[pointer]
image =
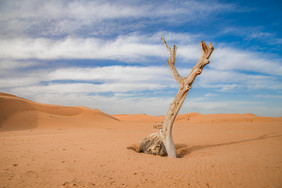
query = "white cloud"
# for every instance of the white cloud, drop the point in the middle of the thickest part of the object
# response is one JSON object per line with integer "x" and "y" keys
{"x": 8, "y": 68}
{"x": 88, "y": 88}
{"x": 222, "y": 73}
{"x": 137, "y": 48}
{"x": 234, "y": 59}
{"x": 121, "y": 80}
{"x": 131, "y": 48}
{"x": 68, "y": 17}
{"x": 7, "y": 82}
{"x": 126, "y": 74}
{"x": 90, "y": 80}
{"x": 131, "y": 78}
{"x": 253, "y": 33}
{"x": 6, "y": 65}
{"x": 269, "y": 96}
{"x": 32, "y": 30}
{"x": 233, "y": 80}
{"x": 78, "y": 48}
{"x": 112, "y": 105}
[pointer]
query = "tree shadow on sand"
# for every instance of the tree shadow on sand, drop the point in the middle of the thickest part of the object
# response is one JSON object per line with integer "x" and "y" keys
{"x": 185, "y": 150}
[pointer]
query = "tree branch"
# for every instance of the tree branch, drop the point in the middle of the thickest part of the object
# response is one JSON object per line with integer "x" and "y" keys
{"x": 168, "y": 48}
{"x": 207, "y": 51}
{"x": 204, "y": 60}
{"x": 171, "y": 63}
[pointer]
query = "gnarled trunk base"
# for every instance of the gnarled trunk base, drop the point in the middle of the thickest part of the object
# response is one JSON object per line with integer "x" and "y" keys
{"x": 152, "y": 144}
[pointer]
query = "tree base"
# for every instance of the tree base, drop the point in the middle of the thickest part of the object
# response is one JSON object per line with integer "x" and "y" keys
{"x": 152, "y": 144}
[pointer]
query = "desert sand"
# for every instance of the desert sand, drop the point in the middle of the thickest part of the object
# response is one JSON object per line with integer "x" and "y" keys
{"x": 45, "y": 145}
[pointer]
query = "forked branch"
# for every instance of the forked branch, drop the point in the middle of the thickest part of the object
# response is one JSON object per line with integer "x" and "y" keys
{"x": 204, "y": 60}
{"x": 171, "y": 63}
{"x": 207, "y": 51}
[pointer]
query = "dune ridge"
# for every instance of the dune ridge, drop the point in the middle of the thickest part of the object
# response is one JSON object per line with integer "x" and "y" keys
{"x": 20, "y": 113}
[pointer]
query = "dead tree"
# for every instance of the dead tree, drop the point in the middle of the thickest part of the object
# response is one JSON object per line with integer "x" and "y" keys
{"x": 162, "y": 143}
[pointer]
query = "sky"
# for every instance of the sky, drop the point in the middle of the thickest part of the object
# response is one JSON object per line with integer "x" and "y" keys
{"x": 108, "y": 55}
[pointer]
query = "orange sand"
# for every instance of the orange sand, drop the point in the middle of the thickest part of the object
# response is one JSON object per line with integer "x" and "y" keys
{"x": 57, "y": 146}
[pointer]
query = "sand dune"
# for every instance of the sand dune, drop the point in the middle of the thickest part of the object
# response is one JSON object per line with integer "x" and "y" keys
{"x": 196, "y": 118}
{"x": 20, "y": 113}
{"x": 45, "y": 145}
{"x": 139, "y": 117}
{"x": 225, "y": 118}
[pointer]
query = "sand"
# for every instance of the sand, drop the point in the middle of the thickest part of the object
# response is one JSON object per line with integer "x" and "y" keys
{"x": 57, "y": 146}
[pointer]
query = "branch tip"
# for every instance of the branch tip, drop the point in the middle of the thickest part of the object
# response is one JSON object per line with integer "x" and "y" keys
{"x": 168, "y": 48}
{"x": 210, "y": 45}
{"x": 204, "y": 46}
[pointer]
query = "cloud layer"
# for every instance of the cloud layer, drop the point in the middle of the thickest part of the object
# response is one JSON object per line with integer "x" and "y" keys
{"x": 55, "y": 18}
{"x": 123, "y": 61}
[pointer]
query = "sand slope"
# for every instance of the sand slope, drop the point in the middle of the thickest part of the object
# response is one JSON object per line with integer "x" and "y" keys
{"x": 79, "y": 147}
{"x": 20, "y": 113}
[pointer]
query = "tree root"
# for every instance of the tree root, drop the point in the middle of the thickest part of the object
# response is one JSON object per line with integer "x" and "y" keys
{"x": 151, "y": 144}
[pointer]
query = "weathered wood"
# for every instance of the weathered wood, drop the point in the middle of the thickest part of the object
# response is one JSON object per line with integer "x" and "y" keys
{"x": 152, "y": 144}
{"x": 171, "y": 62}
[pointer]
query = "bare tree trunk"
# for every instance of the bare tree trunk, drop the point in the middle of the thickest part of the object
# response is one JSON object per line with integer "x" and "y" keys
{"x": 185, "y": 84}
{"x": 166, "y": 133}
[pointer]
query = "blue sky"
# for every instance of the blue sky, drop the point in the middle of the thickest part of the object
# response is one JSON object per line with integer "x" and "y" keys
{"x": 109, "y": 54}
